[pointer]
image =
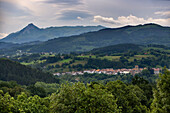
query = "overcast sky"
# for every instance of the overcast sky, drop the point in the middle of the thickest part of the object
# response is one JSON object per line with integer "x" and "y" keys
{"x": 16, "y": 14}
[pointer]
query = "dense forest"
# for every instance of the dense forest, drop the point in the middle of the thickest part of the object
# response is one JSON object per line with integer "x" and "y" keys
{"x": 139, "y": 96}
{"x": 116, "y": 57}
{"x": 119, "y": 48}
{"x": 25, "y": 75}
{"x": 140, "y": 34}
{"x": 27, "y": 84}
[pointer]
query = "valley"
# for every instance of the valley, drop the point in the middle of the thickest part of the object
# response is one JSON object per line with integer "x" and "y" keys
{"x": 99, "y": 62}
{"x": 84, "y": 56}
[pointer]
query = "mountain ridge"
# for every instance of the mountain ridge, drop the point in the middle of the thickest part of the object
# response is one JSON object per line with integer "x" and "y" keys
{"x": 33, "y": 33}
{"x": 140, "y": 34}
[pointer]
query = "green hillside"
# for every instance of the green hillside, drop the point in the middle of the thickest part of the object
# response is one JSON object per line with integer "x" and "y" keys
{"x": 142, "y": 34}
{"x": 119, "y": 48}
{"x": 10, "y": 70}
{"x": 33, "y": 33}
{"x": 5, "y": 45}
{"x": 115, "y": 56}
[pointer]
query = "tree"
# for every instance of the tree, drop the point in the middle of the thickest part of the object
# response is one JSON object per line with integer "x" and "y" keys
{"x": 130, "y": 99}
{"x": 81, "y": 99}
{"x": 161, "y": 102}
{"x": 145, "y": 86}
{"x": 36, "y": 90}
{"x": 23, "y": 104}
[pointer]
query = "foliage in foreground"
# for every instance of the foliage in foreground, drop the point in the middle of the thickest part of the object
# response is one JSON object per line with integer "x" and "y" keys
{"x": 161, "y": 102}
{"x": 113, "y": 97}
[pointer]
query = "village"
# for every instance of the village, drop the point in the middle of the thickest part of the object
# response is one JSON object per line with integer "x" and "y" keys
{"x": 110, "y": 71}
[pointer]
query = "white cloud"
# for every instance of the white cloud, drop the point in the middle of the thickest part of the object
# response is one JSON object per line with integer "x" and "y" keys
{"x": 163, "y": 13}
{"x": 2, "y": 35}
{"x": 80, "y": 18}
{"x": 130, "y": 20}
{"x": 104, "y": 19}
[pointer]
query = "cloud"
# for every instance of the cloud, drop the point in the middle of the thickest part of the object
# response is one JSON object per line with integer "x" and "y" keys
{"x": 130, "y": 20}
{"x": 79, "y": 18}
{"x": 163, "y": 0}
{"x": 3, "y": 35}
{"x": 163, "y": 13}
{"x": 10, "y": 8}
{"x": 73, "y": 15}
{"x": 104, "y": 20}
{"x": 64, "y": 2}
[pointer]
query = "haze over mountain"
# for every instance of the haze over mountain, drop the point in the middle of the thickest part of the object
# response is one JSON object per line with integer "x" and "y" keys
{"x": 33, "y": 33}
{"x": 141, "y": 34}
{"x": 5, "y": 45}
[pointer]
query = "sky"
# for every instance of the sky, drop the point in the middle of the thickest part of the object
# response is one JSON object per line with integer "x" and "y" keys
{"x": 16, "y": 14}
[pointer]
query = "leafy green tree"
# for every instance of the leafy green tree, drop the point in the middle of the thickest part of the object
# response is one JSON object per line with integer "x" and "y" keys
{"x": 146, "y": 87}
{"x": 78, "y": 98}
{"x": 40, "y": 91}
{"x": 32, "y": 104}
{"x": 7, "y": 103}
{"x": 12, "y": 88}
{"x": 130, "y": 99}
{"x": 48, "y": 87}
{"x": 161, "y": 102}
{"x": 23, "y": 104}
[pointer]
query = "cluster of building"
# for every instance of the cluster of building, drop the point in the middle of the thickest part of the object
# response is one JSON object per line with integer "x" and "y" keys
{"x": 110, "y": 71}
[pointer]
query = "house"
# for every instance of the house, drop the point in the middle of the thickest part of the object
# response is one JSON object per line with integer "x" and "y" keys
{"x": 126, "y": 72}
{"x": 136, "y": 70}
{"x": 156, "y": 70}
{"x": 58, "y": 74}
{"x": 80, "y": 73}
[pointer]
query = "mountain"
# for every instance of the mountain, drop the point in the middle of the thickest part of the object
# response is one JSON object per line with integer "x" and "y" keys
{"x": 33, "y": 33}
{"x": 119, "y": 48}
{"x": 10, "y": 70}
{"x": 141, "y": 34}
{"x": 9, "y": 45}
{"x": 6, "y": 45}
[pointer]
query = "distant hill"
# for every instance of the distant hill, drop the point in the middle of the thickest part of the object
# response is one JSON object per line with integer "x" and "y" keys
{"x": 5, "y": 45}
{"x": 10, "y": 70}
{"x": 141, "y": 34}
{"x": 33, "y": 33}
{"x": 119, "y": 48}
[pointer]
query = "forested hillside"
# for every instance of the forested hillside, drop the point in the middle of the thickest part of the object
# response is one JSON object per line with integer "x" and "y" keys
{"x": 119, "y": 48}
{"x": 33, "y": 33}
{"x": 120, "y": 93}
{"x": 146, "y": 34}
{"x": 4, "y": 45}
{"x": 25, "y": 75}
{"x": 139, "y": 96}
{"x": 116, "y": 57}
{"x": 141, "y": 34}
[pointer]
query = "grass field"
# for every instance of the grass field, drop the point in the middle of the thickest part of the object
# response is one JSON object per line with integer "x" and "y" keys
{"x": 33, "y": 62}
{"x": 111, "y": 58}
{"x": 161, "y": 49}
{"x": 79, "y": 62}
{"x": 65, "y": 61}
{"x": 87, "y": 56}
{"x": 29, "y": 63}
{"x": 139, "y": 57}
